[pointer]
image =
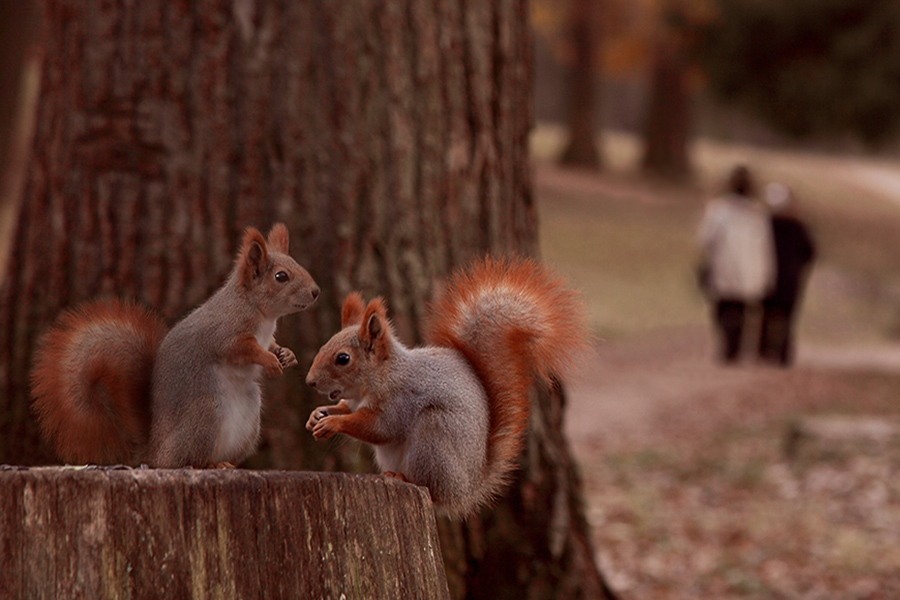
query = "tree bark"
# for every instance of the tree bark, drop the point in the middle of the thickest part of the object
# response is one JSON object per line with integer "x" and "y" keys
{"x": 391, "y": 137}
{"x": 667, "y": 128}
{"x": 581, "y": 149}
{"x": 215, "y": 534}
{"x": 535, "y": 542}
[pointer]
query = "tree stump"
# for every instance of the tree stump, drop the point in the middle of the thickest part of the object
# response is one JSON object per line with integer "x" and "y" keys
{"x": 101, "y": 533}
{"x": 840, "y": 436}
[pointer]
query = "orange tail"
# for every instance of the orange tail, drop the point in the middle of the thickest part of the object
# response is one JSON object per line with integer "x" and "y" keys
{"x": 512, "y": 319}
{"x": 91, "y": 381}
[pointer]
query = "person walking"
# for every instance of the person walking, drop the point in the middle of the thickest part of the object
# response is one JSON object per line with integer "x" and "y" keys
{"x": 735, "y": 236}
{"x": 795, "y": 251}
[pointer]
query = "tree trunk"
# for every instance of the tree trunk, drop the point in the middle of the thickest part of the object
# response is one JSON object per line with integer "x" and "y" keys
{"x": 19, "y": 68}
{"x": 215, "y": 534}
{"x": 581, "y": 150}
{"x": 667, "y": 128}
{"x": 534, "y": 544}
{"x": 391, "y": 137}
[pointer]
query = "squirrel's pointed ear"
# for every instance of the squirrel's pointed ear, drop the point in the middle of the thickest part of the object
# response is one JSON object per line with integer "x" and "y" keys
{"x": 352, "y": 312}
{"x": 254, "y": 257}
{"x": 373, "y": 330}
{"x": 278, "y": 238}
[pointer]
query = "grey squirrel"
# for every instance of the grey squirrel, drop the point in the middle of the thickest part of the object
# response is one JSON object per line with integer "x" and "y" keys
{"x": 110, "y": 385}
{"x": 452, "y": 415}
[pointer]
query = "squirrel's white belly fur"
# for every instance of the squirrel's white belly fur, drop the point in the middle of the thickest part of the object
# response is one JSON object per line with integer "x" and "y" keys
{"x": 265, "y": 335}
{"x": 240, "y": 403}
{"x": 392, "y": 457}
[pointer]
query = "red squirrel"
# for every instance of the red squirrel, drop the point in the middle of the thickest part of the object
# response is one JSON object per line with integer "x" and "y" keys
{"x": 452, "y": 415}
{"x": 110, "y": 385}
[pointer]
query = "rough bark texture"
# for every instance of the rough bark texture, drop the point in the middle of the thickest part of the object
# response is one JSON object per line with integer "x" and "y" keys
{"x": 215, "y": 534}
{"x": 535, "y": 543}
{"x": 391, "y": 136}
{"x": 582, "y": 101}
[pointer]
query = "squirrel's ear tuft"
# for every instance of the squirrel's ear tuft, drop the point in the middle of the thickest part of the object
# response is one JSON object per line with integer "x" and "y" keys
{"x": 352, "y": 312}
{"x": 278, "y": 238}
{"x": 253, "y": 260}
{"x": 374, "y": 328}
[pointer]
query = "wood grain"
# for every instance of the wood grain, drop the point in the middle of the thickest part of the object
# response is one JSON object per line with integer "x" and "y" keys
{"x": 75, "y": 533}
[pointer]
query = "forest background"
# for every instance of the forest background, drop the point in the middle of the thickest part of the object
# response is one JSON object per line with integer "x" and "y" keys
{"x": 688, "y": 490}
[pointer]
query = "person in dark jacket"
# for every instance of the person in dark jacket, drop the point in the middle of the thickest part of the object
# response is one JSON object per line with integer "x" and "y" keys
{"x": 794, "y": 254}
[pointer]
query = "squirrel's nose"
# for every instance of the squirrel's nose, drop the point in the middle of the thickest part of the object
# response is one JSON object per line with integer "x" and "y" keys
{"x": 310, "y": 382}
{"x": 315, "y": 294}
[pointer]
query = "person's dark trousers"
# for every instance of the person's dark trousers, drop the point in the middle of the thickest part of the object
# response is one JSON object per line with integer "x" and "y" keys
{"x": 775, "y": 343}
{"x": 730, "y": 319}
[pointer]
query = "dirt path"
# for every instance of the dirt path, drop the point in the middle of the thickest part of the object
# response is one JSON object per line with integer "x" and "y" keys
{"x": 624, "y": 392}
{"x": 629, "y": 390}
{"x": 881, "y": 179}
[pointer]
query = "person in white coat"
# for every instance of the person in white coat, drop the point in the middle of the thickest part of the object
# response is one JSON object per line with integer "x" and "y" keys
{"x": 735, "y": 235}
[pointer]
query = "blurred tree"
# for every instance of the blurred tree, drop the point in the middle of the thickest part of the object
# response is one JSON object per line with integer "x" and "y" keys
{"x": 581, "y": 149}
{"x": 391, "y": 137}
{"x": 668, "y": 115}
{"x": 809, "y": 67}
{"x": 641, "y": 40}
{"x": 19, "y": 69}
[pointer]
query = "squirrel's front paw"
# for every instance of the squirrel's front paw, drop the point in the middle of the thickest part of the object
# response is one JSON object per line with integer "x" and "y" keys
{"x": 326, "y": 427}
{"x": 272, "y": 365}
{"x": 285, "y": 356}
{"x": 315, "y": 416}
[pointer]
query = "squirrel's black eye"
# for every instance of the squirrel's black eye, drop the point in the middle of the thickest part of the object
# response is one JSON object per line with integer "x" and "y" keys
{"x": 342, "y": 359}
{"x": 281, "y": 276}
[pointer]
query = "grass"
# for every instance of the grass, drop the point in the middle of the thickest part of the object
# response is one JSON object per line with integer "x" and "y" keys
{"x": 628, "y": 243}
{"x": 629, "y": 259}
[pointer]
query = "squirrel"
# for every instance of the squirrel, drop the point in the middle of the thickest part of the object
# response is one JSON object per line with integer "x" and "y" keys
{"x": 451, "y": 415}
{"x": 109, "y": 385}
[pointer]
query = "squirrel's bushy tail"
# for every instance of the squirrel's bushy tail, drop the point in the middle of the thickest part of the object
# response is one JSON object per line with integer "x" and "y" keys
{"x": 512, "y": 319}
{"x": 91, "y": 381}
